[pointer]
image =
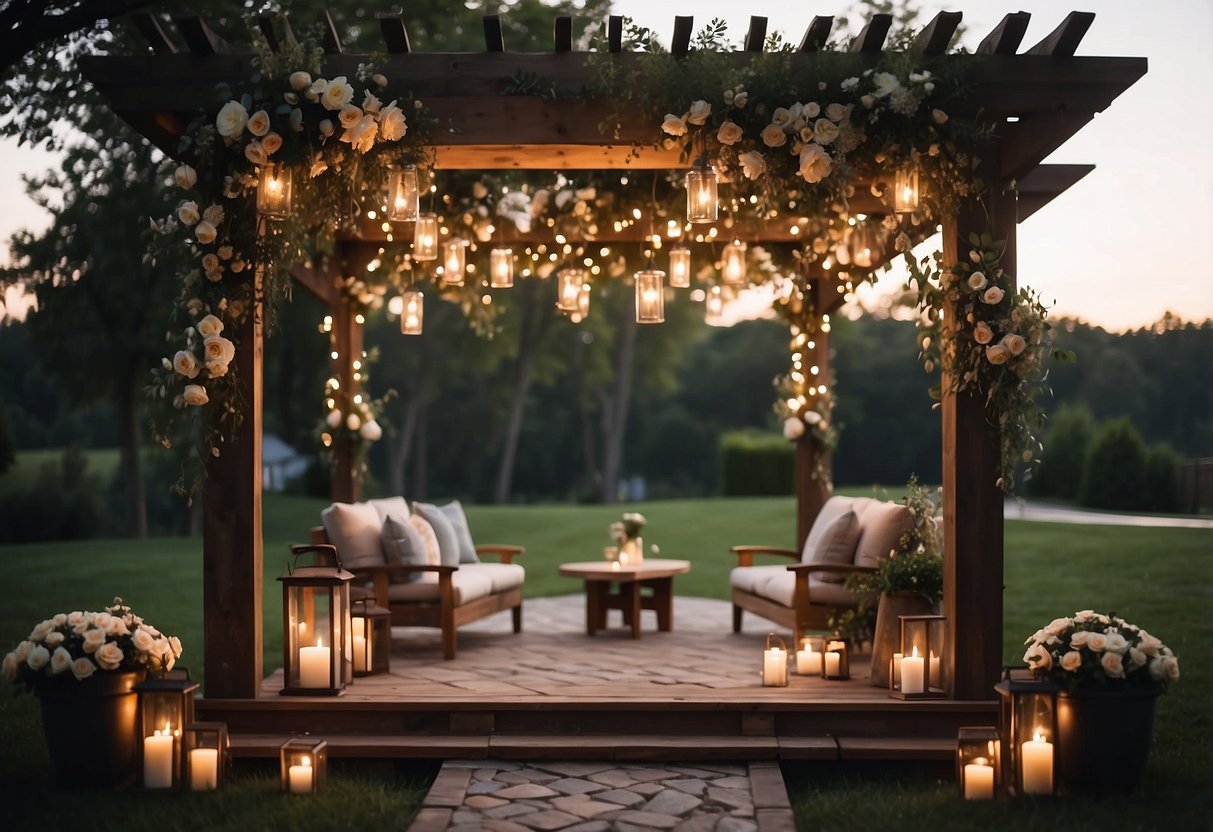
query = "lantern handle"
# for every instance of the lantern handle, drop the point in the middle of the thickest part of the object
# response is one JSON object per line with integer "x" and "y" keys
{"x": 326, "y": 555}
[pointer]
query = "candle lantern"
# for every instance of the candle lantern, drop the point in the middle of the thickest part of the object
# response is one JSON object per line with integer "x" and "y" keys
{"x": 1027, "y": 725}
{"x": 425, "y": 238}
{"x": 978, "y": 762}
{"x": 501, "y": 268}
{"x": 865, "y": 244}
{"x": 454, "y": 261}
{"x": 836, "y": 661}
{"x": 303, "y": 762}
{"x": 921, "y": 662}
{"x": 205, "y": 750}
{"x": 650, "y": 296}
{"x": 713, "y": 306}
{"x": 568, "y": 289}
{"x": 402, "y": 194}
{"x": 166, "y": 706}
{"x": 317, "y": 642}
{"x": 732, "y": 264}
{"x": 274, "y": 191}
{"x": 905, "y": 190}
{"x": 680, "y": 267}
{"x": 583, "y": 301}
{"x": 775, "y": 663}
{"x": 809, "y": 656}
{"x": 371, "y": 629}
{"x": 702, "y": 204}
{"x": 412, "y": 312}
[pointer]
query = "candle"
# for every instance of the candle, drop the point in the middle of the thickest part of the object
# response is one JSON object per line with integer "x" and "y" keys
{"x": 832, "y": 660}
{"x": 808, "y": 662}
{"x": 300, "y": 777}
{"x": 911, "y": 672}
{"x": 897, "y": 657}
{"x": 359, "y": 650}
{"x": 158, "y": 759}
{"x": 775, "y": 666}
{"x": 979, "y": 780}
{"x": 314, "y": 666}
{"x": 1036, "y": 766}
{"x": 204, "y": 769}
{"x": 358, "y": 626}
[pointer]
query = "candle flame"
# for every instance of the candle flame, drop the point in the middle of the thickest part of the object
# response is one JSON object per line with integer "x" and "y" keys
{"x": 306, "y": 761}
{"x": 980, "y": 761}
{"x": 915, "y": 653}
{"x": 1038, "y": 737}
{"x": 319, "y": 642}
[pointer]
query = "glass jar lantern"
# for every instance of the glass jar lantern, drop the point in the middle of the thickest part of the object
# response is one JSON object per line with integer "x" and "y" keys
{"x": 425, "y": 237}
{"x": 412, "y": 312}
{"x": 775, "y": 663}
{"x": 568, "y": 289}
{"x": 713, "y": 306}
{"x": 650, "y": 296}
{"x": 865, "y": 244}
{"x": 317, "y": 643}
{"x": 836, "y": 661}
{"x": 303, "y": 763}
{"x": 1027, "y": 726}
{"x": 732, "y": 264}
{"x": 702, "y": 202}
{"x": 501, "y": 268}
{"x": 166, "y": 706}
{"x": 978, "y": 770}
{"x": 371, "y": 629}
{"x": 454, "y": 261}
{"x": 905, "y": 189}
{"x": 205, "y": 750}
{"x": 402, "y": 194}
{"x": 922, "y": 659}
{"x": 274, "y": 191}
{"x": 680, "y": 267}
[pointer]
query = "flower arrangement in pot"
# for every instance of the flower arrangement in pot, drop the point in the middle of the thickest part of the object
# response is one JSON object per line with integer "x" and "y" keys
{"x": 626, "y": 533}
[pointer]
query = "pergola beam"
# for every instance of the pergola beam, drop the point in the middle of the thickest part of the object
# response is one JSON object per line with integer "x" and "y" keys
{"x": 937, "y": 35}
{"x": 817, "y": 35}
{"x": 871, "y": 36}
{"x": 1044, "y": 183}
{"x": 1006, "y": 36}
{"x": 149, "y": 27}
{"x": 395, "y": 35}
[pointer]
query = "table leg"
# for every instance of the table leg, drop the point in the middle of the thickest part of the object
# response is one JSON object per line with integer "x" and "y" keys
{"x": 634, "y": 608}
{"x": 663, "y": 602}
{"x": 593, "y": 607}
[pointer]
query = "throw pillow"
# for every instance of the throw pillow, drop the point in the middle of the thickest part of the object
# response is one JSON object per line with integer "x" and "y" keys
{"x": 355, "y": 529}
{"x": 836, "y": 544}
{"x": 404, "y": 545}
{"x": 448, "y": 543}
{"x": 453, "y": 511}
{"x": 387, "y": 507}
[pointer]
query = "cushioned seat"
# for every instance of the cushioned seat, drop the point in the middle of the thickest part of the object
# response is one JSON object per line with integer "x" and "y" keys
{"x": 471, "y": 581}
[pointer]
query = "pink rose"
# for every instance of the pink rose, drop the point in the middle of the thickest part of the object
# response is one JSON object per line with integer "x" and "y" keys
{"x": 1071, "y": 661}
{"x": 1112, "y": 665}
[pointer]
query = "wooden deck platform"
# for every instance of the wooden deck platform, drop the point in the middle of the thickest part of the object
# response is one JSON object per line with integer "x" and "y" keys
{"x": 552, "y": 691}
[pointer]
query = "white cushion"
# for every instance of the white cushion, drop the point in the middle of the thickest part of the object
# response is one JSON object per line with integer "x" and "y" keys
{"x": 468, "y": 586}
{"x": 448, "y": 541}
{"x": 883, "y": 524}
{"x": 356, "y": 530}
{"x": 830, "y": 510}
{"x": 835, "y": 544}
{"x": 453, "y": 511}
{"x": 776, "y": 583}
{"x": 387, "y": 507}
{"x": 503, "y": 576}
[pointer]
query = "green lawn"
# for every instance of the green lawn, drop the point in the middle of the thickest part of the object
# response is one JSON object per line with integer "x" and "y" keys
{"x": 1160, "y": 579}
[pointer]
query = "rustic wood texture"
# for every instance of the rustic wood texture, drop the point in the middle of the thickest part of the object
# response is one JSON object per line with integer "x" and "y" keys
{"x": 936, "y": 35}
{"x": 817, "y": 35}
{"x": 871, "y": 36}
{"x": 628, "y": 589}
{"x": 395, "y": 35}
{"x": 1044, "y": 184}
{"x": 199, "y": 37}
{"x": 811, "y": 493}
{"x": 756, "y": 35}
{"x": 1063, "y": 41}
{"x": 563, "y": 34}
{"x": 347, "y": 343}
{"x": 680, "y": 43}
{"x": 276, "y": 29}
{"x": 1006, "y": 36}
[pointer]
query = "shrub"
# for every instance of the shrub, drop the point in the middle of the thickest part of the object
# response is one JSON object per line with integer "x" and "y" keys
{"x": 1065, "y": 450}
{"x": 756, "y": 464}
{"x": 61, "y": 502}
{"x": 1114, "y": 474}
{"x": 1162, "y": 479}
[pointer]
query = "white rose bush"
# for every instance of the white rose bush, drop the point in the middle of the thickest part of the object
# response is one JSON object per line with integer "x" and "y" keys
{"x": 78, "y": 645}
{"x": 1100, "y": 651}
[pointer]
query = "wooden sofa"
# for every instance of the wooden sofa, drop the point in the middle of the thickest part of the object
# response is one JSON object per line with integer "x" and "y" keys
{"x": 849, "y": 535}
{"x": 461, "y": 594}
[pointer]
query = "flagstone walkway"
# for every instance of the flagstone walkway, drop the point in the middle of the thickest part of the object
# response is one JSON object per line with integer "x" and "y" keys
{"x": 499, "y": 796}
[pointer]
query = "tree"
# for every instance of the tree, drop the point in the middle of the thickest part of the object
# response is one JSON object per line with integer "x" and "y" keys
{"x": 1065, "y": 453}
{"x": 1114, "y": 476}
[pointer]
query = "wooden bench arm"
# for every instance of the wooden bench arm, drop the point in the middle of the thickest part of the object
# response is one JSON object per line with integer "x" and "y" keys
{"x": 837, "y": 568}
{"x": 506, "y": 552}
{"x": 745, "y": 554}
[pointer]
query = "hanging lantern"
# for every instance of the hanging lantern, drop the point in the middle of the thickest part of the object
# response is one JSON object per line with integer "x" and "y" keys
{"x": 454, "y": 261}
{"x": 166, "y": 706}
{"x": 1027, "y": 725}
{"x": 501, "y": 268}
{"x": 836, "y": 661}
{"x": 702, "y": 204}
{"x": 205, "y": 750}
{"x": 316, "y": 625}
{"x": 371, "y": 628}
{"x": 274, "y": 191}
{"x": 302, "y": 763}
{"x": 402, "y": 194}
{"x": 921, "y": 670}
{"x": 732, "y": 264}
{"x": 865, "y": 244}
{"x": 650, "y": 296}
{"x": 775, "y": 663}
{"x": 977, "y": 762}
{"x": 568, "y": 289}
{"x": 713, "y": 306}
{"x": 905, "y": 190}
{"x": 412, "y": 312}
{"x": 583, "y": 302}
{"x": 680, "y": 267}
{"x": 425, "y": 238}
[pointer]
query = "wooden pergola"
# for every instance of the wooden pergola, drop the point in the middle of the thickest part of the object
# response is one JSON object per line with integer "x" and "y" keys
{"x": 1035, "y": 99}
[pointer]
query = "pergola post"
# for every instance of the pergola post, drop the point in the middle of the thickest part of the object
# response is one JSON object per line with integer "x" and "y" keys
{"x": 972, "y": 498}
{"x": 347, "y": 345}
{"x": 232, "y": 548}
{"x": 811, "y": 490}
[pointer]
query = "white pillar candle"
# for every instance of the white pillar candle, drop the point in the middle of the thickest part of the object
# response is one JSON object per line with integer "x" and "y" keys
{"x": 204, "y": 769}
{"x": 158, "y": 759}
{"x": 1036, "y": 766}
{"x": 897, "y": 657}
{"x": 911, "y": 673}
{"x": 359, "y": 651}
{"x": 979, "y": 781}
{"x": 775, "y": 666}
{"x": 808, "y": 662}
{"x": 832, "y": 662}
{"x": 300, "y": 777}
{"x": 358, "y": 626}
{"x": 314, "y": 666}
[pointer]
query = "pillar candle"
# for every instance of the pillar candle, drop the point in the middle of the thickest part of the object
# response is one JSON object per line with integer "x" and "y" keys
{"x": 358, "y": 626}
{"x": 300, "y": 777}
{"x": 359, "y": 651}
{"x": 1036, "y": 766}
{"x": 775, "y": 666}
{"x": 832, "y": 660}
{"x": 911, "y": 673}
{"x": 158, "y": 759}
{"x": 314, "y": 666}
{"x": 808, "y": 662}
{"x": 204, "y": 769}
{"x": 979, "y": 781}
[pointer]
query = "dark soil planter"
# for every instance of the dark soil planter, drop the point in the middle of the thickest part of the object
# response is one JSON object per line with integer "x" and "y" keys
{"x": 90, "y": 728}
{"x": 1104, "y": 740}
{"x": 887, "y": 639}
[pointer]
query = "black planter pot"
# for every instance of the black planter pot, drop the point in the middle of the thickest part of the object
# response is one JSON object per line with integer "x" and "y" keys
{"x": 1104, "y": 740}
{"x": 89, "y": 727}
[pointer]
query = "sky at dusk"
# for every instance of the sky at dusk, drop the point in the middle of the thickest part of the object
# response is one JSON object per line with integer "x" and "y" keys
{"x": 1129, "y": 242}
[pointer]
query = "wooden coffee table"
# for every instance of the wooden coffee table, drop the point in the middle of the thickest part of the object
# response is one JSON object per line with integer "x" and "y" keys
{"x": 612, "y": 587}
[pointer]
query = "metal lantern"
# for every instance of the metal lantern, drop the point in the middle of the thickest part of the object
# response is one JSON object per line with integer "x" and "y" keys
{"x": 274, "y": 191}
{"x": 650, "y": 296}
{"x": 680, "y": 267}
{"x": 865, "y": 244}
{"x": 303, "y": 763}
{"x": 316, "y": 625}
{"x": 836, "y": 661}
{"x": 713, "y": 306}
{"x": 978, "y": 769}
{"x": 204, "y": 750}
{"x": 702, "y": 204}
{"x": 166, "y": 706}
{"x": 905, "y": 190}
{"x": 454, "y": 261}
{"x": 775, "y": 663}
{"x": 732, "y": 264}
{"x": 425, "y": 238}
{"x": 809, "y": 656}
{"x": 501, "y": 268}
{"x": 371, "y": 629}
{"x": 583, "y": 301}
{"x": 1027, "y": 726}
{"x": 568, "y": 289}
{"x": 412, "y": 312}
{"x": 922, "y": 659}
{"x": 402, "y": 194}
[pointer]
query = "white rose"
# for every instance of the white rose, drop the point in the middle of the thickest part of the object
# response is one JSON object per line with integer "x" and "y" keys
{"x": 254, "y": 151}
{"x": 700, "y": 110}
{"x": 349, "y": 115}
{"x": 38, "y": 657}
{"x": 939, "y": 116}
{"x": 1150, "y": 645}
{"x": 205, "y": 233}
{"x": 781, "y": 116}
{"x": 259, "y": 123}
{"x": 997, "y": 354}
{"x": 93, "y": 639}
{"x": 982, "y": 333}
{"x": 218, "y": 348}
{"x": 992, "y": 295}
{"x": 326, "y": 129}
{"x": 370, "y": 103}
{"x": 753, "y": 165}
{"x": 353, "y": 422}
{"x": 674, "y": 125}
{"x": 380, "y": 79}
{"x": 1136, "y": 657}
{"x": 824, "y": 131}
{"x": 208, "y": 326}
{"x": 142, "y": 640}
{"x": 54, "y": 639}
{"x": 231, "y": 119}
{"x": 337, "y": 93}
{"x": 21, "y": 651}
{"x": 815, "y": 163}
{"x": 42, "y": 630}
{"x": 836, "y": 112}
{"x": 333, "y": 419}
{"x": 1096, "y": 642}
{"x": 1079, "y": 639}
{"x": 272, "y": 143}
{"x": 1038, "y": 658}
{"x": 187, "y": 212}
{"x": 729, "y": 133}
{"x": 174, "y": 645}
{"x": 83, "y": 667}
{"x": 773, "y": 136}
{"x": 1071, "y": 661}
{"x": 109, "y": 656}
{"x": 195, "y": 395}
{"x": 977, "y": 281}
{"x": 9, "y": 667}
{"x": 362, "y": 134}
{"x": 216, "y": 369}
{"x": 185, "y": 177}
{"x": 75, "y": 619}
{"x": 371, "y": 431}
{"x": 300, "y": 81}
{"x": 793, "y": 428}
{"x": 1113, "y": 665}
{"x": 61, "y": 660}
{"x": 1014, "y": 343}
{"x": 391, "y": 123}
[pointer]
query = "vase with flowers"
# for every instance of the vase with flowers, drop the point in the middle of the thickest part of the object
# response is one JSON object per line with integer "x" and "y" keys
{"x": 83, "y": 667}
{"x": 1110, "y": 673}
{"x": 626, "y": 533}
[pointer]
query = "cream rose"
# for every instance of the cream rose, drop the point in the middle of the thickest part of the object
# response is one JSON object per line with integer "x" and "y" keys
{"x": 753, "y": 165}
{"x": 1014, "y": 343}
{"x": 1079, "y": 639}
{"x": 205, "y": 233}
{"x": 982, "y": 333}
{"x": 210, "y": 262}
{"x": 337, "y": 93}
{"x": 185, "y": 177}
{"x": 187, "y": 212}
{"x": 700, "y": 110}
{"x": 38, "y": 657}
{"x": 185, "y": 364}
{"x": 1096, "y": 642}
{"x": 54, "y": 639}
{"x": 992, "y": 295}
{"x": 793, "y": 428}
{"x": 218, "y": 348}
{"x": 213, "y": 214}
{"x": 216, "y": 369}
{"x": 349, "y": 115}
{"x": 781, "y": 116}
{"x": 391, "y": 123}
{"x": 1136, "y": 657}
{"x": 939, "y": 116}
{"x": 109, "y": 656}
{"x": 42, "y": 630}
{"x": 977, "y": 281}
{"x": 231, "y": 119}
{"x": 21, "y": 651}
{"x": 272, "y": 143}
{"x": 9, "y": 667}
{"x": 83, "y": 667}
{"x": 300, "y": 81}
{"x": 1070, "y": 661}
{"x": 259, "y": 123}
{"x": 93, "y": 639}
{"x": 1038, "y": 658}
{"x": 997, "y": 354}
{"x": 61, "y": 660}
{"x": 142, "y": 640}
{"x": 815, "y": 163}
{"x": 370, "y": 103}
{"x": 254, "y": 151}
{"x": 729, "y": 133}
{"x": 773, "y": 136}
{"x": 824, "y": 131}
{"x": 195, "y": 395}
{"x": 1150, "y": 645}
{"x": 371, "y": 431}
{"x": 326, "y": 130}
{"x": 674, "y": 125}
{"x": 836, "y": 112}
{"x": 1113, "y": 665}
{"x": 208, "y": 326}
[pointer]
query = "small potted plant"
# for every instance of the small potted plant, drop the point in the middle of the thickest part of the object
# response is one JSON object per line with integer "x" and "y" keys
{"x": 626, "y": 533}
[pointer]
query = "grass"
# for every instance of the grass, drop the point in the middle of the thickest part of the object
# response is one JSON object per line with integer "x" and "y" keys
{"x": 1159, "y": 578}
